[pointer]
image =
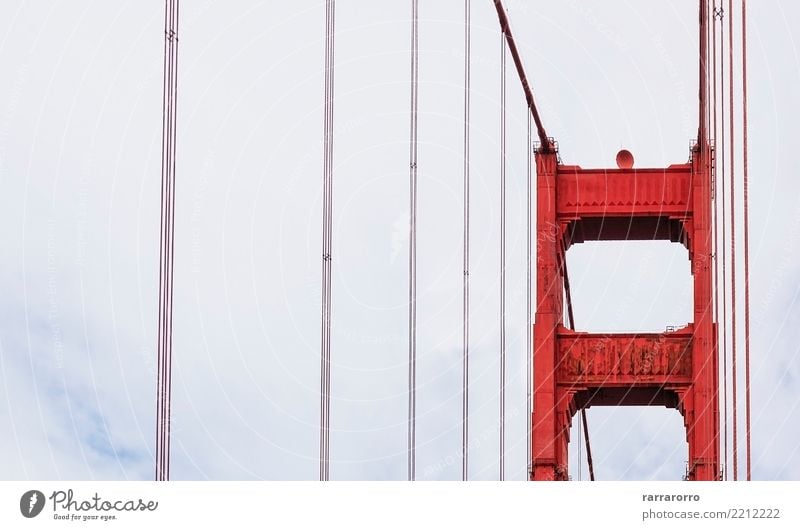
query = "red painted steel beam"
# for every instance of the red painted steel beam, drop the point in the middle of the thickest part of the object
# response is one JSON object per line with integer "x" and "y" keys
{"x": 638, "y": 396}
{"x": 549, "y": 437}
{"x": 624, "y": 192}
{"x": 625, "y": 204}
{"x": 702, "y": 416}
{"x": 624, "y": 359}
{"x": 627, "y": 229}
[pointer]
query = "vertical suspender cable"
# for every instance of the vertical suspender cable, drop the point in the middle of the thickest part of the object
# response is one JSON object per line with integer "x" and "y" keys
{"x": 746, "y": 243}
{"x": 720, "y": 13}
{"x": 465, "y": 301}
{"x": 715, "y": 181}
{"x": 172, "y": 223}
{"x": 327, "y": 246}
{"x": 167, "y": 243}
{"x": 707, "y": 38}
{"x": 705, "y": 158}
{"x": 412, "y": 254}
{"x": 579, "y": 452}
{"x": 324, "y": 277}
{"x": 702, "y": 135}
{"x": 502, "y": 256}
{"x": 733, "y": 243}
{"x": 330, "y": 236}
{"x": 528, "y": 302}
{"x": 715, "y": 193}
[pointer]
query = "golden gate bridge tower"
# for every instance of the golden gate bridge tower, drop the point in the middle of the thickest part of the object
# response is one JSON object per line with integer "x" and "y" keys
{"x": 574, "y": 370}
{"x": 678, "y": 368}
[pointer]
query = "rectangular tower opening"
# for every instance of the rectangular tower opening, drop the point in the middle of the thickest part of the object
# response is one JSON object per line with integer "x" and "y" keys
{"x": 630, "y": 286}
{"x": 629, "y": 443}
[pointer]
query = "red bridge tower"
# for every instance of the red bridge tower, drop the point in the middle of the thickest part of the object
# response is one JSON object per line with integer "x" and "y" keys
{"x": 572, "y": 369}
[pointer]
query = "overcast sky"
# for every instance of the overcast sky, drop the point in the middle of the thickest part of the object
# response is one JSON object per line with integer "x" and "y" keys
{"x": 80, "y": 140}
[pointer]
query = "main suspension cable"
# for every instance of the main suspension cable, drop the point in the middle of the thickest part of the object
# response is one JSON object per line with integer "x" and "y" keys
{"x": 588, "y": 447}
{"x": 465, "y": 301}
{"x": 327, "y": 245}
{"x": 167, "y": 240}
{"x": 412, "y": 254}
{"x": 505, "y": 28}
